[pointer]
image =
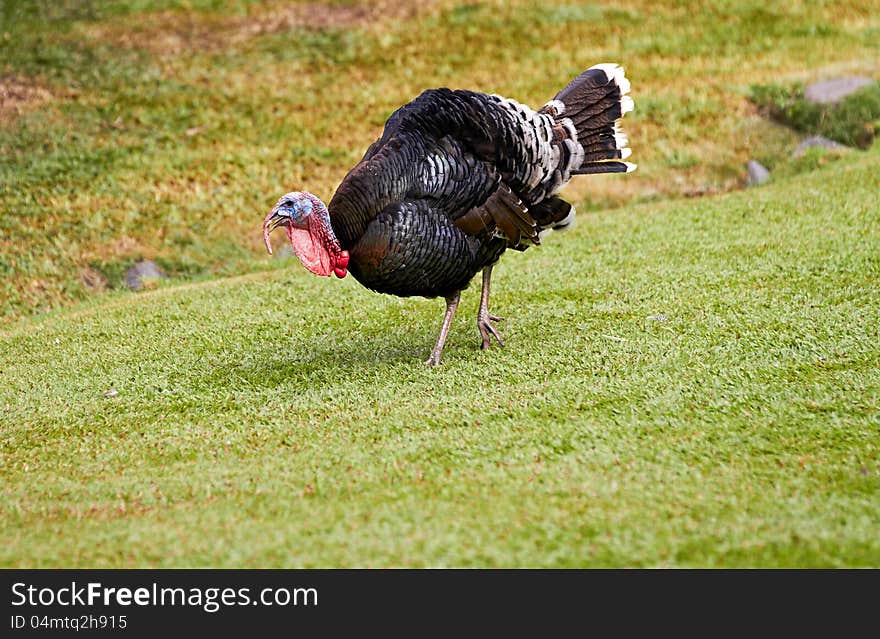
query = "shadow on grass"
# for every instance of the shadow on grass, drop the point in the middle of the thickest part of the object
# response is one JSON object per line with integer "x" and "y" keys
{"x": 322, "y": 363}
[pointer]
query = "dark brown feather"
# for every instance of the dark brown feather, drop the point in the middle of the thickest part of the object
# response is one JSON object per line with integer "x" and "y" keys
{"x": 502, "y": 210}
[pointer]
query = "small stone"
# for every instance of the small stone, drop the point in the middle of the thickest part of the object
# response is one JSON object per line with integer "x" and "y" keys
{"x": 141, "y": 272}
{"x": 758, "y": 173}
{"x": 817, "y": 140}
{"x": 658, "y": 318}
{"x": 110, "y": 393}
{"x": 835, "y": 90}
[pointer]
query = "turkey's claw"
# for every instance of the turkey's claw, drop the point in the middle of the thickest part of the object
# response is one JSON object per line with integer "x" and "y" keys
{"x": 484, "y": 323}
{"x": 484, "y": 317}
{"x": 433, "y": 361}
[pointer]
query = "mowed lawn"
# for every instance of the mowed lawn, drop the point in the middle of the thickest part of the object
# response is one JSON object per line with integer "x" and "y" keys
{"x": 688, "y": 383}
{"x": 691, "y": 373}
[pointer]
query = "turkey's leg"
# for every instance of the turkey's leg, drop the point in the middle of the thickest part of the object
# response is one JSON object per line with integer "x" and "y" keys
{"x": 451, "y": 305}
{"x": 484, "y": 318}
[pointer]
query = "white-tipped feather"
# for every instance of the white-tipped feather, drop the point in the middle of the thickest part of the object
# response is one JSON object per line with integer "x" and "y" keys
{"x": 615, "y": 72}
{"x": 562, "y": 225}
{"x": 620, "y": 138}
{"x": 630, "y": 167}
{"x": 621, "y": 81}
{"x": 577, "y": 154}
{"x": 626, "y": 104}
{"x": 608, "y": 67}
{"x": 625, "y": 153}
{"x": 558, "y": 106}
{"x": 565, "y": 222}
{"x": 554, "y": 156}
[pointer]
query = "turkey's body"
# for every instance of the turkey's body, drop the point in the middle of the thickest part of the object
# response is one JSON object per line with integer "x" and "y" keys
{"x": 410, "y": 211}
{"x": 457, "y": 178}
{"x": 396, "y": 210}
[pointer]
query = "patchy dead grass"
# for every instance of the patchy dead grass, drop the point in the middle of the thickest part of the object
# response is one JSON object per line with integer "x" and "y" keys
{"x": 93, "y": 280}
{"x": 177, "y": 32}
{"x": 189, "y": 123}
{"x": 18, "y": 94}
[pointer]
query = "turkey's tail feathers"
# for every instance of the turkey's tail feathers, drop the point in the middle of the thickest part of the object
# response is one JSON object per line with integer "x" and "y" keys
{"x": 589, "y": 107}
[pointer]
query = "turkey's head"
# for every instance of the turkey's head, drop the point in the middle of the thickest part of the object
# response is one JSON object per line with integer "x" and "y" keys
{"x": 308, "y": 228}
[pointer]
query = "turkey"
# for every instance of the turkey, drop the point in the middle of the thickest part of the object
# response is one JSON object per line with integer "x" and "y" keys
{"x": 456, "y": 179}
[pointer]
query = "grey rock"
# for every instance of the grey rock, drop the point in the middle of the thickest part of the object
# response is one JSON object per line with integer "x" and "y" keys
{"x": 833, "y": 91}
{"x": 758, "y": 173}
{"x": 140, "y": 271}
{"x": 817, "y": 140}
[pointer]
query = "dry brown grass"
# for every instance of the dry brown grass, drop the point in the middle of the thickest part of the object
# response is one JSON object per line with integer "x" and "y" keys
{"x": 259, "y": 89}
{"x": 178, "y": 32}
{"x": 18, "y": 94}
{"x": 93, "y": 280}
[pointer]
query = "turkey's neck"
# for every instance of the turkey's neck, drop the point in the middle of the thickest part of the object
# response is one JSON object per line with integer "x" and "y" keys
{"x": 322, "y": 229}
{"x": 323, "y": 232}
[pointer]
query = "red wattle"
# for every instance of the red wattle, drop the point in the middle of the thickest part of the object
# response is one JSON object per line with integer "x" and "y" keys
{"x": 309, "y": 248}
{"x": 340, "y": 272}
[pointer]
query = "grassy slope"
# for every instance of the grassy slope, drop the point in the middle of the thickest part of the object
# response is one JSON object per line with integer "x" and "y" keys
{"x": 168, "y": 136}
{"x": 279, "y": 419}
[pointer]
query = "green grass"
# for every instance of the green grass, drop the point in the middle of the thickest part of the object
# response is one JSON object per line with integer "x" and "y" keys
{"x": 280, "y": 419}
{"x": 854, "y": 121}
{"x": 687, "y": 382}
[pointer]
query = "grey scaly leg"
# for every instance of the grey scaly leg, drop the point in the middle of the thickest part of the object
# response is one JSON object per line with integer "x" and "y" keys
{"x": 451, "y": 305}
{"x": 484, "y": 318}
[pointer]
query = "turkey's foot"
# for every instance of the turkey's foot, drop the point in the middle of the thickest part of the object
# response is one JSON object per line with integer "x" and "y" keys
{"x": 484, "y": 317}
{"x": 487, "y": 330}
{"x": 433, "y": 360}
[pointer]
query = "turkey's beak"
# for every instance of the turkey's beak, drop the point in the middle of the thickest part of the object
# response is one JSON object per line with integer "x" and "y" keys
{"x": 272, "y": 222}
